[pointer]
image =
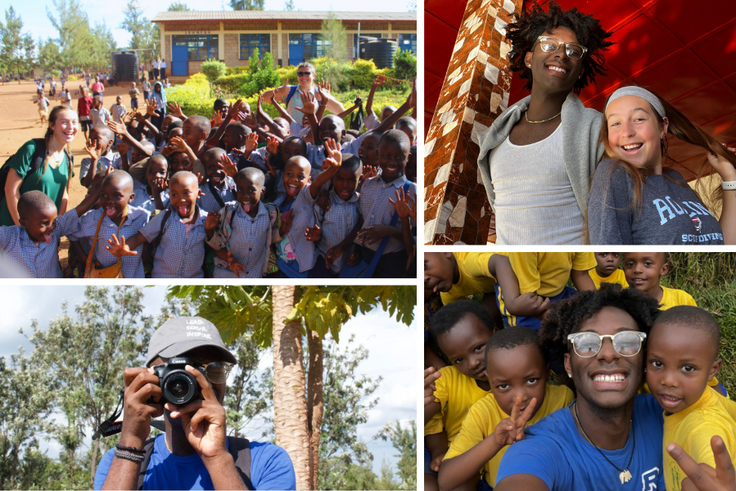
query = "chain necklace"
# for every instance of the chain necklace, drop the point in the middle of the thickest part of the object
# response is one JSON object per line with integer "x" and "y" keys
{"x": 541, "y": 120}
{"x": 624, "y": 475}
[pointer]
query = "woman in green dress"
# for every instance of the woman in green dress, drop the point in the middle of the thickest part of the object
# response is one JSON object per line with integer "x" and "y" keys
{"x": 50, "y": 174}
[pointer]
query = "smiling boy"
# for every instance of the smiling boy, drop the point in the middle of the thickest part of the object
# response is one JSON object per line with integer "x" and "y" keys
{"x": 537, "y": 158}
{"x": 644, "y": 270}
{"x": 682, "y": 359}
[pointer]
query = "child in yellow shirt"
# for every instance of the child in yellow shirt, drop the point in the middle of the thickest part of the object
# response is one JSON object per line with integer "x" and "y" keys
{"x": 644, "y": 271}
{"x": 545, "y": 276}
{"x": 682, "y": 357}
{"x": 608, "y": 270}
{"x": 461, "y": 330}
{"x": 517, "y": 372}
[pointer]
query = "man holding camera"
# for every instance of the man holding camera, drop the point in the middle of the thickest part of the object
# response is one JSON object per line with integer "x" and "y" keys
{"x": 188, "y": 386}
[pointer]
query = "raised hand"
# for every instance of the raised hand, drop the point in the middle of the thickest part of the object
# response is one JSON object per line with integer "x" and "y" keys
{"x": 93, "y": 149}
{"x": 724, "y": 168}
{"x": 404, "y": 204}
{"x": 511, "y": 429}
{"x": 702, "y": 477}
{"x": 369, "y": 171}
{"x": 177, "y": 144}
{"x": 175, "y": 109}
{"x": 313, "y": 234}
{"x": 378, "y": 81}
{"x": 150, "y": 108}
{"x": 117, "y": 128}
{"x": 333, "y": 151}
{"x": 230, "y": 168}
{"x": 118, "y": 248}
{"x": 273, "y": 145}
{"x": 251, "y": 142}
{"x": 218, "y": 118}
{"x": 309, "y": 106}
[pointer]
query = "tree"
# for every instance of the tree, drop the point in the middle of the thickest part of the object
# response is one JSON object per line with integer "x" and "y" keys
{"x": 334, "y": 38}
{"x": 109, "y": 330}
{"x": 49, "y": 54}
{"x": 16, "y": 52}
{"x": 178, "y": 7}
{"x": 290, "y": 5}
{"x": 76, "y": 40}
{"x": 309, "y": 311}
{"x": 246, "y": 4}
{"x": 140, "y": 28}
{"x": 403, "y": 439}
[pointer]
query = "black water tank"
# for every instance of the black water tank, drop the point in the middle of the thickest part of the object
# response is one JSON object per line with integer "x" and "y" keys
{"x": 125, "y": 64}
{"x": 381, "y": 51}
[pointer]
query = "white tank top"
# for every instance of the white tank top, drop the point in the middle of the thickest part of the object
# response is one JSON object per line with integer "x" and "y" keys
{"x": 535, "y": 203}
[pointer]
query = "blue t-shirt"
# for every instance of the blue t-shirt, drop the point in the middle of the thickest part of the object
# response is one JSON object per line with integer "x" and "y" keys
{"x": 270, "y": 468}
{"x": 554, "y": 451}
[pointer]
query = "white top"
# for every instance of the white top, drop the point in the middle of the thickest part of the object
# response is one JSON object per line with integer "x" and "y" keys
{"x": 535, "y": 203}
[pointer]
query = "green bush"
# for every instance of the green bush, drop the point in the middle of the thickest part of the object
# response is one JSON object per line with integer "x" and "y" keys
{"x": 72, "y": 78}
{"x": 231, "y": 83}
{"x": 287, "y": 75}
{"x": 405, "y": 65}
{"x": 213, "y": 69}
{"x": 262, "y": 75}
{"x": 56, "y": 73}
{"x": 362, "y": 74}
{"x": 235, "y": 70}
{"x": 194, "y": 96}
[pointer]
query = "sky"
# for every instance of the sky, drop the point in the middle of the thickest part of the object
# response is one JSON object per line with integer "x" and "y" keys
{"x": 390, "y": 346}
{"x": 36, "y": 22}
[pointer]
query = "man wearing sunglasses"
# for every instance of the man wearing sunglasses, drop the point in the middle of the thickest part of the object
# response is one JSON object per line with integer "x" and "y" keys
{"x": 194, "y": 452}
{"x": 610, "y": 437}
{"x": 537, "y": 158}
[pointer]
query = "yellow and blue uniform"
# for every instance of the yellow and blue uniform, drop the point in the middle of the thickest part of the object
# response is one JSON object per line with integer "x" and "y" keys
{"x": 474, "y": 276}
{"x": 485, "y": 415}
{"x": 692, "y": 429}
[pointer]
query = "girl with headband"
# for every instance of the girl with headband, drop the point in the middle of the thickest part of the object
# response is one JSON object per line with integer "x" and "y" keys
{"x": 634, "y": 199}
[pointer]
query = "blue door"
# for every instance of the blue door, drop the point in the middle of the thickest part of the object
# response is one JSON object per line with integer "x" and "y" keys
{"x": 179, "y": 63}
{"x": 296, "y": 54}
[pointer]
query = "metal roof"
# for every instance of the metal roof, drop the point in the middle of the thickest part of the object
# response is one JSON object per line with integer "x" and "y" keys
{"x": 281, "y": 15}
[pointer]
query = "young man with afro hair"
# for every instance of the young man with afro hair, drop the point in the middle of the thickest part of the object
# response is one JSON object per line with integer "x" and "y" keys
{"x": 538, "y": 156}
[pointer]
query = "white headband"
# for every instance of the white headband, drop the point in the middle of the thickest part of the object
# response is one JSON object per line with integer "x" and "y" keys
{"x": 638, "y": 92}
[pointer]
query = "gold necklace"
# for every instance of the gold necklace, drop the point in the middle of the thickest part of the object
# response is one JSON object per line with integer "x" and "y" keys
{"x": 624, "y": 475}
{"x": 540, "y": 121}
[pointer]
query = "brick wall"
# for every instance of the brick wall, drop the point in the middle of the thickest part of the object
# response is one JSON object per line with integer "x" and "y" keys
{"x": 231, "y": 50}
{"x": 167, "y": 55}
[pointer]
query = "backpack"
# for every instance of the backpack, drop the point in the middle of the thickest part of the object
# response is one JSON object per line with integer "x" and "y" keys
{"x": 239, "y": 448}
{"x": 37, "y": 159}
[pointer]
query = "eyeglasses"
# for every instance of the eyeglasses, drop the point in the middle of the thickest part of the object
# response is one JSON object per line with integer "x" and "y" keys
{"x": 217, "y": 372}
{"x": 303, "y": 74}
{"x": 574, "y": 51}
{"x": 588, "y": 344}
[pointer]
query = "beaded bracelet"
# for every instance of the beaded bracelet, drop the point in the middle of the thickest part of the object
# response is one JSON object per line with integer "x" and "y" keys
{"x": 129, "y": 449}
{"x": 728, "y": 185}
{"x": 129, "y": 456}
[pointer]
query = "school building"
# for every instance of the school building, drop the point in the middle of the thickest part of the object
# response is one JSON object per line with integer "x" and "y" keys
{"x": 189, "y": 38}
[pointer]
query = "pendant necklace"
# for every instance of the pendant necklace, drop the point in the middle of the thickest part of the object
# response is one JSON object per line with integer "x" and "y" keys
{"x": 624, "y": 475}
{"x": 541, "y": 120}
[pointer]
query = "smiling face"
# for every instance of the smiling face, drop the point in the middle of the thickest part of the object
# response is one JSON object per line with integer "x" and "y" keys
{"x": 345, "y": 182}
{"x": 392, "y": 158}
{"x": 305, "y": 75}
{"x": 331, "y": 127}
{"x": 465, "y": 346}
{"x": 519, "y": 371}
{"x": 192, "y": 134}
{"x": 184, "y": 191}
{"x": 40, "y": 224}
{"x": 115, "y": 196}
{"x": 643, "y": 271}
{"x": 606, "y": 380}
{"x": 215, "y": 173}
{"x": 296, "y": 175}
{"x": 607, "y": 263}
{"x": 180, "y": 161}
{"x": 680, "y": 363}
{"x": 65, "y": 126}
{"x": 440, "y": 271}
{"x": 249, "y": 194}
{"x": 368, "y": 151}
{"x": 635, "y": 133}
{"x": 554, "y": 72}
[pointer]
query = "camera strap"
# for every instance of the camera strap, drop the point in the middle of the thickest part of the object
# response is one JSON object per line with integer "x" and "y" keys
{"x": 111, "y": 427}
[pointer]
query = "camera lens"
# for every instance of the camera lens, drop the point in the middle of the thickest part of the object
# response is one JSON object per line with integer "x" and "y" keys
{"x": 179, "y": 387}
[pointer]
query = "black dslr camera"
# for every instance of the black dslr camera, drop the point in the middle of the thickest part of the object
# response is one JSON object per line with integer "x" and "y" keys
{"x": 177, "y": 385}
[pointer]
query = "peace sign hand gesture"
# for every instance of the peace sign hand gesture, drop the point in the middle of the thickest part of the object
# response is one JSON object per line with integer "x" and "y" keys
{"x": 511, "y": 430}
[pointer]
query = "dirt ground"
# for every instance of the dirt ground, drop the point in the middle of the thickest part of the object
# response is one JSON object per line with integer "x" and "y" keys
{"x": 19, "y": 122}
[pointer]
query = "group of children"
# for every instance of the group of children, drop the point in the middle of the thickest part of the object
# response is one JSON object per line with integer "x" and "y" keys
{"x": 487, "y": 370}
{"x": 184, "y": 198}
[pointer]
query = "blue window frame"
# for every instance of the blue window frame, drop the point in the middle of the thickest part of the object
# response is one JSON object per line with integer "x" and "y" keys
{"x": 249, "y": 42}
{"x": 198, "y": 47}
{"x": 363, "y": 36}
{"x": 314, "y": 46}
{"x": 408, "y": 41}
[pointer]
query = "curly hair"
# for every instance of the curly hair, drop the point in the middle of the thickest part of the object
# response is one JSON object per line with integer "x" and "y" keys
{"x": 532, "y": 23}
{"x": 567, "y": 316}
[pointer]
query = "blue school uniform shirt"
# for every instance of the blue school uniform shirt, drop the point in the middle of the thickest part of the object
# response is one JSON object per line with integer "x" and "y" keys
{"x": 180, "y": 253}
{"x": 110, "y": 159}
{"x": 37, "y": 260}
{"x": 137, "y": 218}
{"x": 302, "y": 209}
{"x": 376, "y": 208}
{"x": 336, "y": 224}
{"x": 144, "y": 200}
{"x": 248, "y": 240}
{"x": 316, "y": 153}
{"x": 554, "y": 451}
{"x": 209, "y": 203}
{"x": 270, "y": 468}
